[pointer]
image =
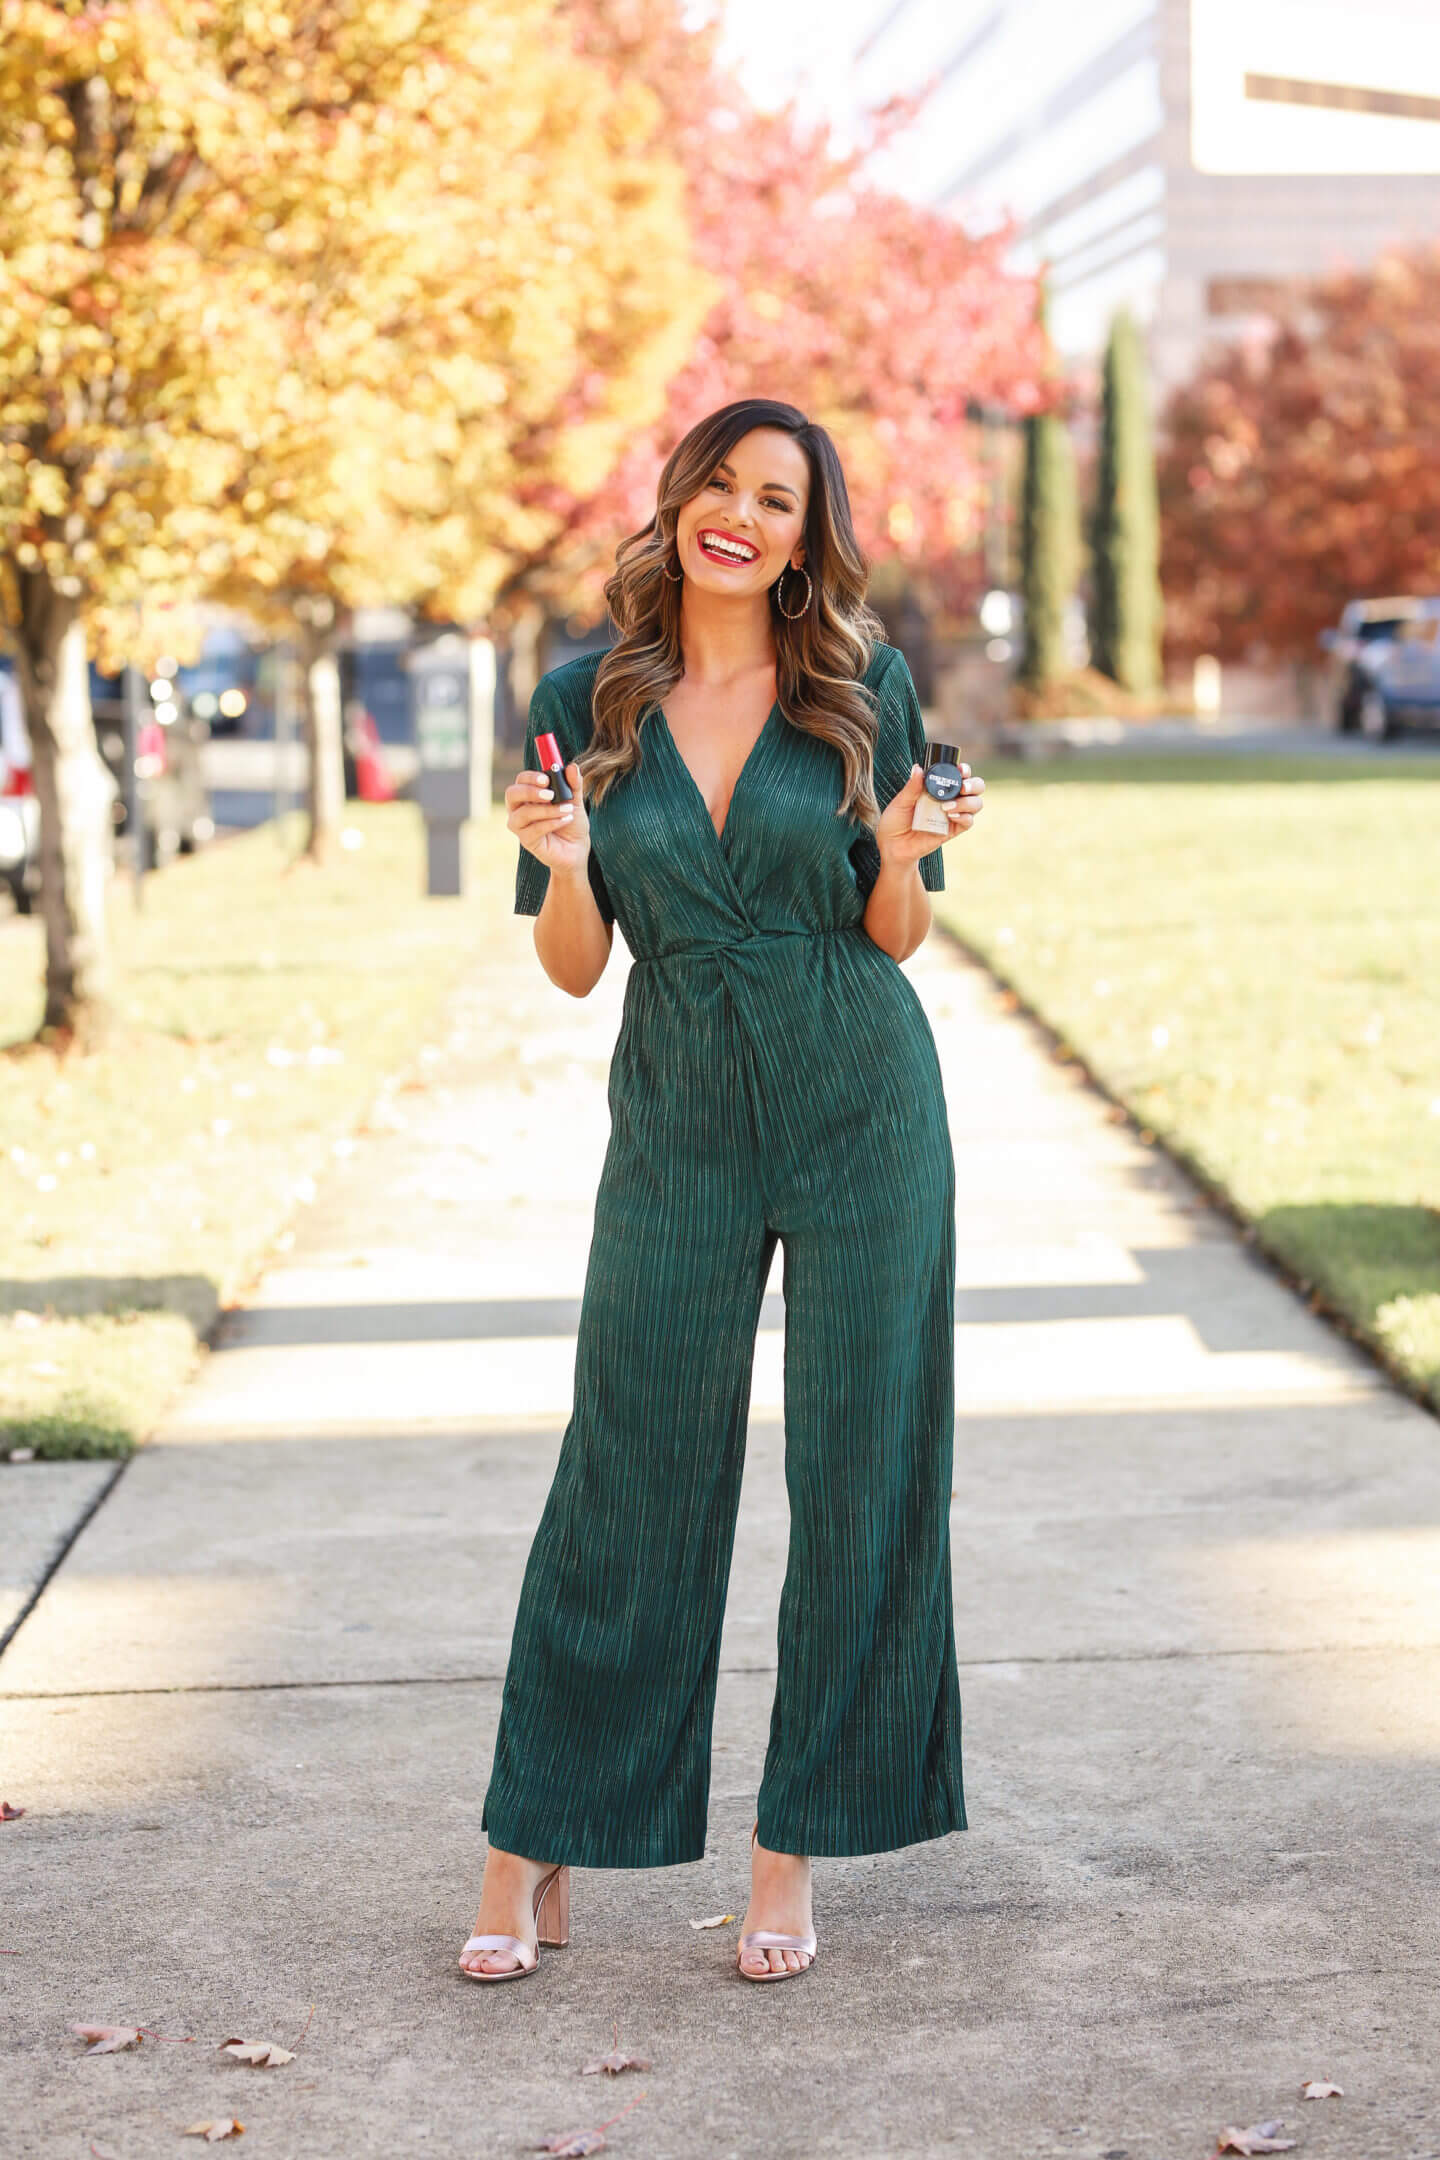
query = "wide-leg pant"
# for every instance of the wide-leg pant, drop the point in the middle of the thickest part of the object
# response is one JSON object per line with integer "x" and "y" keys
{"x": 603, "y": 1752}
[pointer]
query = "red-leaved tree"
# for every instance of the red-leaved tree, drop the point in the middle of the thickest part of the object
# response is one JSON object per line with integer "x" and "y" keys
{"x": 882, "y": 320}
{"x": 1300, "y": 469}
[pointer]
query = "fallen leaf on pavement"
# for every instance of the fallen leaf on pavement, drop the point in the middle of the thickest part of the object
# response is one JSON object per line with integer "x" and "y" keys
{"x": 1259, "y": 2138}
{"x": 212, "y": 2132}
{"x": 615, "y": 2061}
{"x": 8, "y": 1813}
{"x": 261, "y": 2054}
{"x": 719, "y": 1919}
{"x": 1321, "y": 2089}
{"x": 108, "y": 2039}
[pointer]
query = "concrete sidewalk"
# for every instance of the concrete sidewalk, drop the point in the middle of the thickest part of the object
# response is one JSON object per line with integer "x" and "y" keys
{"x": 1196, "y": 1553}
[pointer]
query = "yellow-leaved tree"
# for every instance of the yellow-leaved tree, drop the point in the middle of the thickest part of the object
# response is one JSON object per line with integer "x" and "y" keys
{"x": 280, "y": 291}
{"x": 489, "y": 245}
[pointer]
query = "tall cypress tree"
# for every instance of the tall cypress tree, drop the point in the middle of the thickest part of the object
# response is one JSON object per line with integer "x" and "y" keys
{"x": 1126, "y": 618}
{"x": 1049, "y": 546}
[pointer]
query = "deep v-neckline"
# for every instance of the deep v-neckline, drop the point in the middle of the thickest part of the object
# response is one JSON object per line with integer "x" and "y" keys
{"x": 697, "y": 791}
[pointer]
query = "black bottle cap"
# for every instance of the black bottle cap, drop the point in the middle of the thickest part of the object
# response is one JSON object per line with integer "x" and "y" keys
{"x": 941, "y": 753}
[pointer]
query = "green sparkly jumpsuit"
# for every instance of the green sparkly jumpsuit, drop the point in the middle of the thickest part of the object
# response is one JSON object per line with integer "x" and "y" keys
{"x": 775, "y": 1077}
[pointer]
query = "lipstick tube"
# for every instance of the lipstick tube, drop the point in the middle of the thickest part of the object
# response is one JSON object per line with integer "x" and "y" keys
{"x": 552, "y": 764}
{"x": 944, "y": 784}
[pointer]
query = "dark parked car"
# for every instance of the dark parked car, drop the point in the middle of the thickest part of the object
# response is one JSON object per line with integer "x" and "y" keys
{"x": 1366, "y": 632}
{"x": 227, "y": 687}
{"x": 1403, "y": 690}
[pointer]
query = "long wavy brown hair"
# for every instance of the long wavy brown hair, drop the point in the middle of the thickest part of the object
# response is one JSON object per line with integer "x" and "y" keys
{"x": 819, "y": 657}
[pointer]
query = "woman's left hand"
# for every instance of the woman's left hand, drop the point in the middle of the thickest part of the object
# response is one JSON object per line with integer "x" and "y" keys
{"x": 901, "y": 847}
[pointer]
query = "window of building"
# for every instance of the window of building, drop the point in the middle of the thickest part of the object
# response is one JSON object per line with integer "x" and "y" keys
{"x": 1245, "y": 296}
{"x": 1341, "y": 97}
{"x": 1315, "y": 86}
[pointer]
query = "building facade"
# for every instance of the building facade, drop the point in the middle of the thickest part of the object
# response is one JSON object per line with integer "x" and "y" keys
{"x": 1183, "y": 158}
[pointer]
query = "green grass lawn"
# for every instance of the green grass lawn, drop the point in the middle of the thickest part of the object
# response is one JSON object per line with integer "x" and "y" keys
{"x": 1247, "y": 954}
{"x": 260, "y": 1007}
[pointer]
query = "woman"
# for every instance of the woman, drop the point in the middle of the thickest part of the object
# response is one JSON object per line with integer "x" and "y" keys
{"x": 742, "y": 766}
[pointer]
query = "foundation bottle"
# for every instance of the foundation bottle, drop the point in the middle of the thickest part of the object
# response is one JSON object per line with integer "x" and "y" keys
{"x": 944, "y": 784}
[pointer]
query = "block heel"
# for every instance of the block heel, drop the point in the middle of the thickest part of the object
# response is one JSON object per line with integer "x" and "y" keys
{"x": 552, "y": 1929}
{"x": 552, "y": 1914}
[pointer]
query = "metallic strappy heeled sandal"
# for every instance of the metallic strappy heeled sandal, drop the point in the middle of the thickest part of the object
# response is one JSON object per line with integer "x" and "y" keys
{"x": 767, "y": 1939}
{"x": 552, "y": 1931}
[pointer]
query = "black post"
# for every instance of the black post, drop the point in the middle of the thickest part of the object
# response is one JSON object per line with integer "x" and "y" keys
{"x": 284, "y": 734}
{"x": 136, "y": 691}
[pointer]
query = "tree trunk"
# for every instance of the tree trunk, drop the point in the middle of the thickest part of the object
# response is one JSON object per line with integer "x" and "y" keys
{"x": 75, "y": 793}
{"x": 325, "y": 744}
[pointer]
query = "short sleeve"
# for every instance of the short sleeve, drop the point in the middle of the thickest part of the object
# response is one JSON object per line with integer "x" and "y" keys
{"x": 899, "y": 744}
{"x": 549, "y": 714}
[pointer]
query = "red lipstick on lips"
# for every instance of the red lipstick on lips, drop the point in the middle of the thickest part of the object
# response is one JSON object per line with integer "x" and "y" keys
{"x": 552, "y": 764}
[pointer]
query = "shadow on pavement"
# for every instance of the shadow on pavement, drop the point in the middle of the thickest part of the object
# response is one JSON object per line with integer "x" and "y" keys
{"x": 76, "y": 1297}
{"x": 1174, "y": 1280}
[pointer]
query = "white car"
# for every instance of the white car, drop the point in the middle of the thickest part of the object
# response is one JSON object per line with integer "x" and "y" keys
{"x": 19, "y": 811}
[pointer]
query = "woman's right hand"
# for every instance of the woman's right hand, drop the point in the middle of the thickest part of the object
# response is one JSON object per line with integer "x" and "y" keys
{"x": 556, "y": 834}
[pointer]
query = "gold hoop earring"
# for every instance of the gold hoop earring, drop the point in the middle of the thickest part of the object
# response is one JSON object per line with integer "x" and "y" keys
{"x": 804, "y": 608}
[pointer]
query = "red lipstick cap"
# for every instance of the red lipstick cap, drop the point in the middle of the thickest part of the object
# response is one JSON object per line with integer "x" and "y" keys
{"x": 548, "y": 752}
